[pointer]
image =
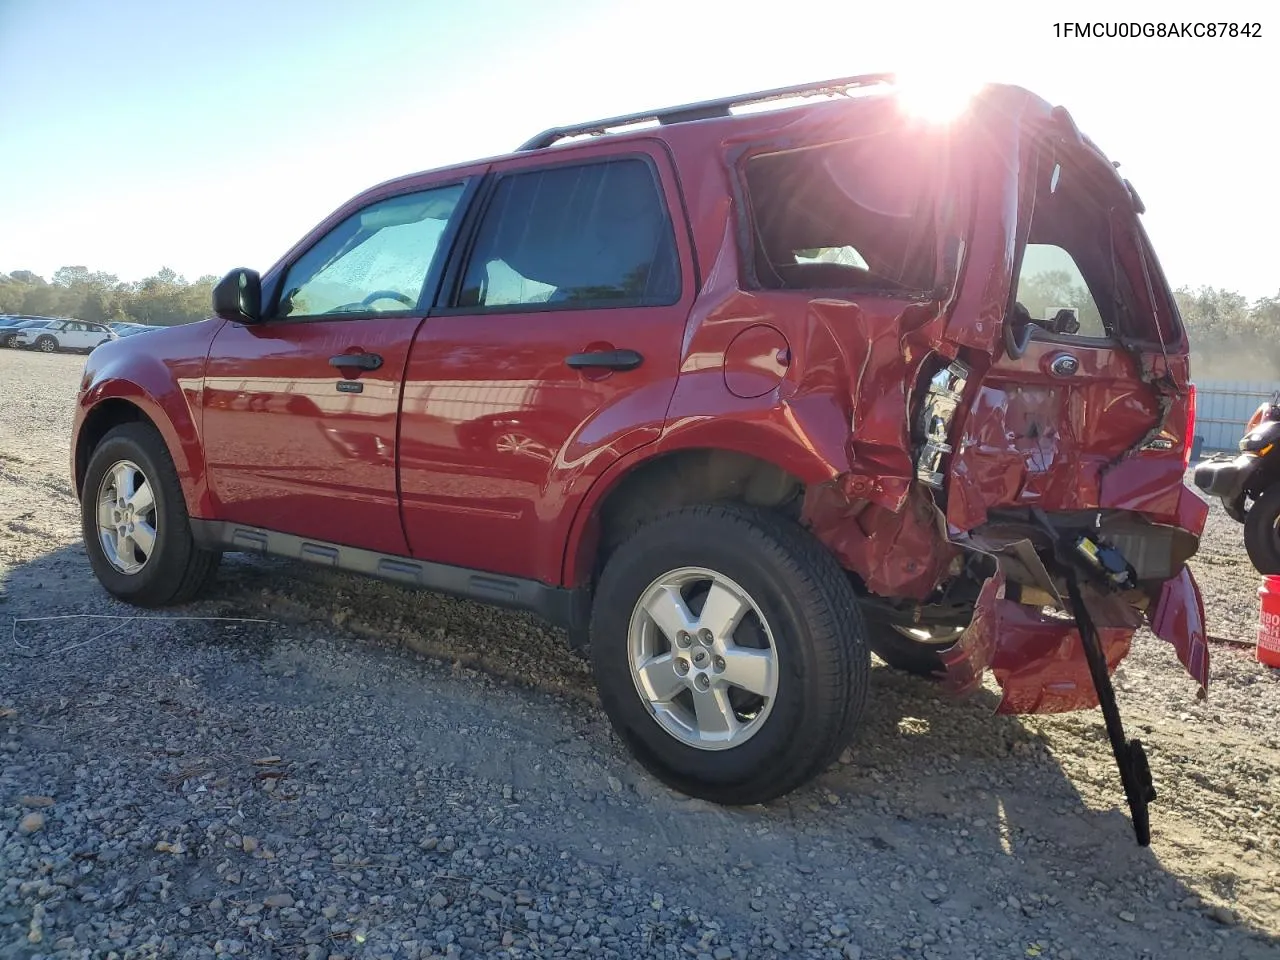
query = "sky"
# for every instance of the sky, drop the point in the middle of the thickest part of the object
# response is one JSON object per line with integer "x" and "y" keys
{"x": 202, "y": 136}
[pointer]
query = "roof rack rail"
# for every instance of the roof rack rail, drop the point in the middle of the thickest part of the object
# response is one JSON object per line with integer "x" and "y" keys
{"x": 706, "y": 109}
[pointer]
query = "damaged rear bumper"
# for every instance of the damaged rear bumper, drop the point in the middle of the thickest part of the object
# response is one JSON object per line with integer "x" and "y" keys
{"x": 1038, "y": 658}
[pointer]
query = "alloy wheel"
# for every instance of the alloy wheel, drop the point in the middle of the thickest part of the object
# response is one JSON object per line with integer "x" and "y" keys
{"x": 940, "y": 637}
{"x": 126, "y": 517}
{"x": 703, "y": 658}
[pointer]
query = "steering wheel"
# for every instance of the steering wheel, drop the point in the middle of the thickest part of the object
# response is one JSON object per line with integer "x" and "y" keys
{"x": 387, "y": 295}
{"x": 356, "y": 306}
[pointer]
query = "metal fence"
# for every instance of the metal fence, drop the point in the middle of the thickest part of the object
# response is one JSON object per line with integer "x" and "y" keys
{"x": 1224, "y": 406}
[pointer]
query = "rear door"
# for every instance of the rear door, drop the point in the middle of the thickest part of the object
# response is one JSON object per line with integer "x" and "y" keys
{"x": 555, "y": 351}
{"x": 300, "y": 411}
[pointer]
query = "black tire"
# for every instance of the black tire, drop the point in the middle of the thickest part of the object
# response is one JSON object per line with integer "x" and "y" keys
{"x": 177, "y": 570}
{"x": 47, "y": 344}
{"x": 1261, "y": 535}
{"x": 813, "y": 613}
{"x": 918, "y": 657}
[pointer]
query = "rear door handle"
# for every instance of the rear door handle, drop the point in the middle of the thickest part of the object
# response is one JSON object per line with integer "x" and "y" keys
{"x": 607, "y": 359}
{"x": 361, "y": 361}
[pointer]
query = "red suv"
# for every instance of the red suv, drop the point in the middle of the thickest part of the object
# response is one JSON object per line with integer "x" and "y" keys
{"x": 733, "y": 396}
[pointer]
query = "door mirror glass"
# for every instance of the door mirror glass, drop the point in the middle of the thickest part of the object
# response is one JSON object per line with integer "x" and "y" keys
{"x": 238, "y": 296}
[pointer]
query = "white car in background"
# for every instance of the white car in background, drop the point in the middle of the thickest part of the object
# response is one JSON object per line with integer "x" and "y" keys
{"x": 76, "y": 335}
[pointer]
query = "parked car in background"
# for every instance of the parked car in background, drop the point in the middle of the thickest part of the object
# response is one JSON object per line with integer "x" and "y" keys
{"x": 734, "y": 399}
{"x": 10, "y": 327}
{"x": 70, "y": 335}
{"x": 131, "y": 329}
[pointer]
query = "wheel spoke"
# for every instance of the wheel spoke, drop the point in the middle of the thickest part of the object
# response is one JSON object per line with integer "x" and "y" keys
{"x": 752, "y": 670}
{"x": 123, "y": 478}
{"x": 142, "y": 499}
{"x": 660, "y": 680}
{"x": 144, "y": 535}
{"x": 106, "y": 514}
{"x": 722, "y": 612}
{"x": 667, "y": 609}
{"x": 715, "y": 715}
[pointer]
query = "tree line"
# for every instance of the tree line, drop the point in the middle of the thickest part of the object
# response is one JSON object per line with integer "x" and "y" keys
{"x": 164, "y": 299}
{"x": 1231, "y": 336}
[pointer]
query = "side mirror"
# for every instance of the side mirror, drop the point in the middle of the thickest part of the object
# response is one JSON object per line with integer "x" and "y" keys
{"x": 238, "y": 296}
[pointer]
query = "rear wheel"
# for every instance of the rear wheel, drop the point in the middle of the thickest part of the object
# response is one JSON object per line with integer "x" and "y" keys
{"x": 1262, "y": 531}
{"x": 135, "y": 524}
{"x": 729, "y": 651}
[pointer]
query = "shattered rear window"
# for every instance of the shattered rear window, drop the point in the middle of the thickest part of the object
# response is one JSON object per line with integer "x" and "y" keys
{"x": 855, "y": 214}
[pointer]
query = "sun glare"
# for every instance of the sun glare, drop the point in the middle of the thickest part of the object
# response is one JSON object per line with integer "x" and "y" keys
{"x": 935, "y": 97}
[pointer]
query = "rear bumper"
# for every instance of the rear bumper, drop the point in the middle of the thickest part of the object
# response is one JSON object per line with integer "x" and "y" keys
{"x": 1038, "y": 658}
{"x": 1228, "y": 480}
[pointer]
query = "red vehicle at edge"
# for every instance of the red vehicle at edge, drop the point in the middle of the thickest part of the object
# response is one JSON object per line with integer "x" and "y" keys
{"x": 733, "y": 399}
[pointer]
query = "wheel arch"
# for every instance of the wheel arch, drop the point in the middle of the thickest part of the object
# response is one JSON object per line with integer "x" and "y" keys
{"x": 656, "y": 480}
{"x": 112, "y": 403}
{"x": 98, "y": 421}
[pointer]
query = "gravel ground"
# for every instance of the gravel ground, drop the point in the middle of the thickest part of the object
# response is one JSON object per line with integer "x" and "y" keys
{"x": 379, "y": 773}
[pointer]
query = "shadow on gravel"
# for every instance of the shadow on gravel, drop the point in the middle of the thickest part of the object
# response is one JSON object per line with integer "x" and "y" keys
{"x": 941, "y": 808}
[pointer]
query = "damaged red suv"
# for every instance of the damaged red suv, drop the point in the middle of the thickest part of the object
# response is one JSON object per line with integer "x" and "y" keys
{"x": 734, "y": 396}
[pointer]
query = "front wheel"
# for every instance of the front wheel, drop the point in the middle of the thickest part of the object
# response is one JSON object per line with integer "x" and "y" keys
{"x": 1262, "y": 531}
{"x": 729, "y": 651}
{"x": 136, "y": 529}
{"x": 47, "y": 345}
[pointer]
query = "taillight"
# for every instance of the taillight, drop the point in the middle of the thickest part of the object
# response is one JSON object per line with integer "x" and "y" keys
{"x": 1258, "y": 416}
{"x": 1189, "y": 438}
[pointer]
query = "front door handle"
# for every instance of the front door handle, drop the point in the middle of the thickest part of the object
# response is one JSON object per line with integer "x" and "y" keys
{"x": 606, "y": 359}
{"x": 360, "y": 361}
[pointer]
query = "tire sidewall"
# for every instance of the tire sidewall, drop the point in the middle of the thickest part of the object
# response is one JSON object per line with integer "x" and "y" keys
{"x": 1261, "y": 540}
{"x": 625, "y": 581}
{"x": 172, "y": 546}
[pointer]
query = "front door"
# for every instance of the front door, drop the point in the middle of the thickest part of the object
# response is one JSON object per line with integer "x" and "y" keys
{"x": 555, "y": 351}
{"x": 300, "y": 410}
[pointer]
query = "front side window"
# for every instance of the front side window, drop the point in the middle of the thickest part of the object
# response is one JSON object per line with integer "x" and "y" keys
{"x": 596, "y": 234}
{"x": 856, "y": 214}
{"x": 375, "y": 261}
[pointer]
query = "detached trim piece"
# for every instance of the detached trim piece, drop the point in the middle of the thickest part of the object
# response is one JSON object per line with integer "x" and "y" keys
{"x": 564, "y": 608}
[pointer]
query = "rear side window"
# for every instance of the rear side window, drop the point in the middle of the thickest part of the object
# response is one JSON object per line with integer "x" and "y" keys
{"x": 856, "y": 214}
{"x": 591, "y": 235}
